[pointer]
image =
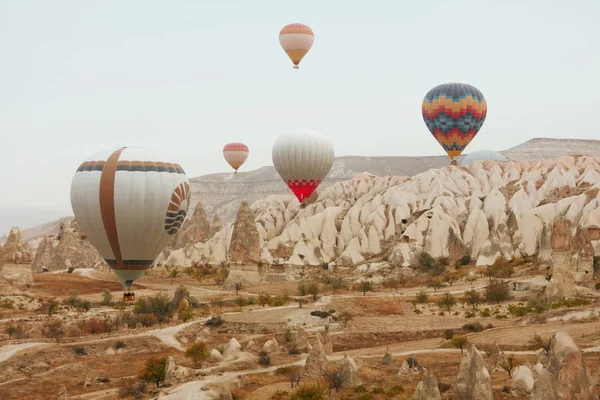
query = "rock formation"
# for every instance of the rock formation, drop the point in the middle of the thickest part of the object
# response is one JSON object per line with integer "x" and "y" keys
{"x": 349, "y": 373}
{"x": 473, "y": 381}
{"x": 232, "y": 349}
{"x": 245, "y": 240}
{"x": 69, "y": 249}
{"x": 16, "y": 250}
{"x": 566, "y": 364}
{"x": 15, "y": 259}
{"x": 215, "y": 226}
{"x": 427, "y": 389}
{"x": 195, "y": 229}
{"x": 522, "y": 380}
{"x": 316, "y": 363}
{"x": 486, "y": 210}
{"x": 544, "y": 387}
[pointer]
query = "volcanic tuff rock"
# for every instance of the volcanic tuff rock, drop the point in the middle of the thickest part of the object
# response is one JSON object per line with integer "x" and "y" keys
{"x": 69, "y": 248}
{"x": 222, "y": 193}
{"x": 473, "y": 381}
{"x": 428, "y": 388}
{"x": 245, "y": 240}
{"x": 487, "y": 210}
{"x": 195, "y": 229}
{"x": 15, "y": 250}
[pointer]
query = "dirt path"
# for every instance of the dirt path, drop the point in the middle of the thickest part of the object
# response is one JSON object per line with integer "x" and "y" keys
{"x": 10, "y": 350}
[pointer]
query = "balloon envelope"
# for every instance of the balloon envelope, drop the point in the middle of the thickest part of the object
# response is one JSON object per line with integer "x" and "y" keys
{"x": 303, "y": 159}
{"x": 129, "y": 203}
{"x": 296, "y": 40}
{"x": 235, "y": 154}
{"x": 482, "y": 155}
{"x": 454, "y": 113}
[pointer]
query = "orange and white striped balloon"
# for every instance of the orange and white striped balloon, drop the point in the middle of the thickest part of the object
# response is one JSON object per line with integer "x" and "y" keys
{"x": 235, "y": 154}
{"x": 296, "y": 40}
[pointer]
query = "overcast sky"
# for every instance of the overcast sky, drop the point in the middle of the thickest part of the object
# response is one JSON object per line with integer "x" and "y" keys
{"x": 186, "y": 77}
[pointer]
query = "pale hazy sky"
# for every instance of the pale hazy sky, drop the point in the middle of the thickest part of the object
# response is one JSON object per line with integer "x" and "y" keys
{"x": 185, "y": 77}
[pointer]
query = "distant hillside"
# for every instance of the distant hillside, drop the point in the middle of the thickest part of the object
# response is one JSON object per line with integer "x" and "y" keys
{"x": 36, "y": 234}
{"x": 221, "y": 193}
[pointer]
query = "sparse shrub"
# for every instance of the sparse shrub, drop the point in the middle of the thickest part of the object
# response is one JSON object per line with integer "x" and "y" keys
{"x": 186, "y": 315}
{"x": 360, "y": 389}
{"x": 473, "y": 327}
{"x": 443, "y": 387}
{"x": 215, "y": 321}
{"x": 449, "y": 334}
{"x": 345, "y": 317}
{"x": 435, "y": 284}
{"x": 198, "y": 352}
{"x": 158, "y": 304}
{"x": 70, "y": 270}
{"x": 154, "y": 370}
{"x": 132, "y": 387}
{"x": 237, "y": 286}
{"x": 536, "y": 342}
{"x": 302, "y": 288}
{"x": 485, "y": 313}
{"x": 365, "y": 286}
{"x": 80, "y": 350}
{"x": 146, "y": 320}
{"x": 53, "y": 329}
{"x": 106, "y": 298}
{"x": 508, "y": 365}
{"x": 294, "y": 351}
{"x": 217, "y": 302}
{"x": 240, "y": 301}
{"x": 395, "y": 391}
{"x": 264, "y": 359}
{"x": 473, "y": 298}
{"x": 469, "y": 314}
{"x": 443, "y": 261}
{"x": 313, "y": 392}
{"x": 497, "y": 291}
{"x": 447, "y": 301}
{"x": 263, "y": 300}
{"x": 377, "y": 390}
{"x": 313, "y": 290}
{"x": 251, "y": 300}
{"x": 412, "y": 362}
{"x": 287, "y": 335}
{"x": 77, "y": 303}
{"x": 119, "y": 344}
{"x": 95, "y": 326}
{"x": 422, "y": 297}
{"x": 517, "y": 311}
{"x": 459, "y": 342}
{"x": 18, "y": 330}
{"x": 465, "y": 260}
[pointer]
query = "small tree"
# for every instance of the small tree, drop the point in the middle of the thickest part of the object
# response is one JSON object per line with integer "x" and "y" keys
{"x": 313, "y": 290}
{"x": 53, "y": 329}
{"x": 301, "y": 301}
{"x": 471, "y": 278}
{"x": 10, "y": 330}
{"x": 507, "y": 365}
{"x": 447, "y": 301}
{"x": 263, "y": 300}
{"x": 336, "y": 283}
{"x": 106, "y": 297}
{"x": 198, "y": 352}
{"x": 392, "y": 284}
{"x": 154, "y": 370}
{"x": 422, "y": 297}
{"x": 450, "y": 279}
{"x": 237, "y": 286}
{"x": 365, "y": 286}
{"x": 336, "y": 380}
{"x": 435, "y": 284}
{"x": 345, "y": 317}
{"x": 497, "y": 291}
{"x": 302, "y": 288}
{"x": 459, "y": 342}
{"x": 473, "y": 298}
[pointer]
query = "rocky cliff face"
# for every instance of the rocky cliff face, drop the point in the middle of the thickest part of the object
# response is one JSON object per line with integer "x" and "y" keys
{"x": 487, "y": 210}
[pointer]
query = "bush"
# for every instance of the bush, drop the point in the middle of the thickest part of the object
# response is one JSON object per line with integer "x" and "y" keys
{"x": 485, "y": 313}
{"x": 517, "y": 311}
{"x": 264, "y": 359}
{"x": 77, "y": 303}
{"x": 119, "y": 344}
{"x": 449, "y": 334}
{"x": 146, "y": 320}
{"x": 154, "y": 370}
{"x": 473, "y": 327}
{"x": 536, "y": 342}
{"x": 447, "y": 301}
{"x": 198, "y": 352}
{"x": 465, "y": 260}
{"x": 80, "y": 350}
{"x": 412, "y": 362}
{"x": 305, "y": 392}
{"x": 497, "y": 291}
{"x": 422, "y": 297}
{"x": 469, "y": 314}
{"x": 106, "y": 298}
{"x": 444, "y": 261}
{"x": 395, "y": 391}
{"x": 53, "y": 329}
{"x": 428, "y": 264}
{"x": 538, "y": 304}
{"x": 459, "y": 342}
{"x": 159, "y": 305}
{"x": 215, "y": 321}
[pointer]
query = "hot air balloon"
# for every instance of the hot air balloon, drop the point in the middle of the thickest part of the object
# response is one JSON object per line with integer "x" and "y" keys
{"x": 296, "y": 40}
{"x": 454, "y": 113}
{"x": 129, "y": 203}
{"x": 303, "y": 159}
{"x": 235, "y": 154}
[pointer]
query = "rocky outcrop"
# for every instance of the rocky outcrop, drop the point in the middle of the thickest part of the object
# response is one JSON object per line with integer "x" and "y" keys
{"x": 473, "y": 381}
{"x": 560, "y": 287}
{"x": 195, "y": 229}
{"x": 232, "y": 349}
{"x": 15, "y": 250}
{"x": 522, "y": 380}
{"x": 427, "y": 389}
{"x": 215, "y": 226}
{"x": 566, "y": 364}
{"x": 245, "y": 240}
{"x": 544, "y": 387}
{"x": 486, "y": 210}
{"x": 349, "y": 373}
{"x": 316, "y": 363}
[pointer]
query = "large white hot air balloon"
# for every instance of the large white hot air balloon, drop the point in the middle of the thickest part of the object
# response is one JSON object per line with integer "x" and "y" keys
{"x": 303, "y": 159}
{"x": 129, "y": 203}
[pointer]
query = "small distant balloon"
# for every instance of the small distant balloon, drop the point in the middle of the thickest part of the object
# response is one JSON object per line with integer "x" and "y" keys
{"x": 454, "y": 113}
{"x": 235, "y": 154}
{"x": 303, "y": 159}
{"x": 296, "y": 40}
